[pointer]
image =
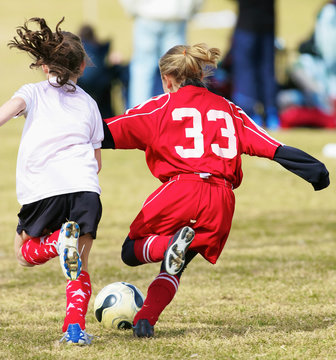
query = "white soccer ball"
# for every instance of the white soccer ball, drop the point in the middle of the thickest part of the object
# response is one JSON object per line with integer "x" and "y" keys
{"x": 116, "y": 305}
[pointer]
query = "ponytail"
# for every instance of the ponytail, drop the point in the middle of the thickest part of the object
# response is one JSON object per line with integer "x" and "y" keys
{"x": 186, "y": 63}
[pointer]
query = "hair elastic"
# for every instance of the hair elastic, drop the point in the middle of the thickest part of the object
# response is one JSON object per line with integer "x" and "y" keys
{"x": 184, "y": 52}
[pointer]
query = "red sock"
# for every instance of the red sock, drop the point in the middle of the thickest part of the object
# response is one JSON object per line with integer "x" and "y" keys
{"x": 160, "y": 293}
{"x": 151, "y": 248}
{"x": 39, "y": 250}
{"x": 78, "y": 294}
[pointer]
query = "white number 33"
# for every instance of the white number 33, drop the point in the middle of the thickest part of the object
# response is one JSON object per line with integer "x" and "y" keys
{"x": 196, "y": 132}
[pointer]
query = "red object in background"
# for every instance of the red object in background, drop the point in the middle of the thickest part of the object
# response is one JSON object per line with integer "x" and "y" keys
{"x": 299, "y": 116}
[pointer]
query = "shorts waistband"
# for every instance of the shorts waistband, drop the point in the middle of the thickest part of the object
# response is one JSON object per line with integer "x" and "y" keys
{"x": 203, "y": 177}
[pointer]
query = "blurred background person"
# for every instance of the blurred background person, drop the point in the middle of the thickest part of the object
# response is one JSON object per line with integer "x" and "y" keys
{"x": 103, "y": 72}
{"x": 310, "y": 97}
{"x": 158, "y": 26}
{"x": 253, "y": 65}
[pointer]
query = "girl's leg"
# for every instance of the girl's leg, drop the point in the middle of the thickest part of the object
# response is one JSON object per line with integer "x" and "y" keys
{"x": 64, "y": 242}
{"x": 145, "y": 250}
{"x": 35, "y": 251}
{"x": 78, "y": 292}
{"x": 155, "y": 248}
{"x": 159, "y": 294}
{"x": 19, "y": 240}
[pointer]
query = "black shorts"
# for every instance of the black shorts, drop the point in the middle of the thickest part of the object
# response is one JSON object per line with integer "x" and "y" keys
{"x": 47, "y": 215}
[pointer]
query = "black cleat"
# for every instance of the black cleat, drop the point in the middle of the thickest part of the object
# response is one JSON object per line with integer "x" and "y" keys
{"x": 143, "y": 329}
{"x": 174, "y": 258}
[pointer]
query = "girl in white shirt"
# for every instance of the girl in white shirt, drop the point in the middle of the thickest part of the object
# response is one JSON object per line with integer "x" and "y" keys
{"x": 57, "y": 166}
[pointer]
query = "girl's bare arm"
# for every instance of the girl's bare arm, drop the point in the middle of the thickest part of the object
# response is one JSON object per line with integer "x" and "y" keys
{"x": 11, "y": 108}
{"x": 98, "y": 158}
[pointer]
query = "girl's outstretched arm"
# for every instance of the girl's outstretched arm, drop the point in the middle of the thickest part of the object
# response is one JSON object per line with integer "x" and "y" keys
{"x": 11, "y": 108}
{"x": 303, "y": 165}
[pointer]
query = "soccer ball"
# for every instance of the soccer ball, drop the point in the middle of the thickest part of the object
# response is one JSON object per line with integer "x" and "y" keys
{"x": 116, "y": 305}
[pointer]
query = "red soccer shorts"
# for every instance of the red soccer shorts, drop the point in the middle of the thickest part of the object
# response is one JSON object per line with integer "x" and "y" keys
{"x": 206, "y": 205}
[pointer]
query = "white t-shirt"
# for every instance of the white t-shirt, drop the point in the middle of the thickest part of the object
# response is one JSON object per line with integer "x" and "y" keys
{"x": 56, "y": 153}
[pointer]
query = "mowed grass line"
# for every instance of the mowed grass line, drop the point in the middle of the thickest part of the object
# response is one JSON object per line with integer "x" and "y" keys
{"x": 270, "y": 296}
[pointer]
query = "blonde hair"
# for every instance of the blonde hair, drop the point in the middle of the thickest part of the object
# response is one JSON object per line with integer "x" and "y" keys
{"x": 185, "y": 62}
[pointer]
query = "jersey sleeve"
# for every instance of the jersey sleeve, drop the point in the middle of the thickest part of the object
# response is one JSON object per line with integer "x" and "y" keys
{"x": 26, "y": 92}
{"x": 97, "y": 132}
{"x": 108, "y": 142}
{"x": 304, "y": 165}
{"x": 253, "y": 140}
{"x": 136, "y": 128}
{"x": 129, "y": 131}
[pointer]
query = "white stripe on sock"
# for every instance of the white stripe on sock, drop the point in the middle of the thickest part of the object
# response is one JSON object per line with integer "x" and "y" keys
{"x": 170, "y": 278}
{"x": 148, "y": 246}
{"x": 144, "y": 250}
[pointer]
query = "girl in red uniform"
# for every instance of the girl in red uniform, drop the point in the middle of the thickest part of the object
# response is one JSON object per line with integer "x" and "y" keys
{"x": 193, "y": 140}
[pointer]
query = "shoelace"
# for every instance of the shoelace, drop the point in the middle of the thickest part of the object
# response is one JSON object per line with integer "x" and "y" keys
{"x": 86, "y": 337}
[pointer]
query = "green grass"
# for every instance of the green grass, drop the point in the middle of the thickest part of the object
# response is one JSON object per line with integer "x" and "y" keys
{"x": 271, "y": 294}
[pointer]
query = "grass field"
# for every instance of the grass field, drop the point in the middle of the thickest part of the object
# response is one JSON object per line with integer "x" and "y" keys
{"x": 272, "y": 294}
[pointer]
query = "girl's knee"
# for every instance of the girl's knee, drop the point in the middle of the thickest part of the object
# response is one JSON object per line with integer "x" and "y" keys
{"x": 21, "y": 260}
{"x": 84, "y": 247}
{"x": 19, "y": 241}
{"x": 127, "y": 253}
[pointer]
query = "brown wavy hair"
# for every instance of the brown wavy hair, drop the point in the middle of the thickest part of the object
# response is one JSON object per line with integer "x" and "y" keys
{"x": 61, "y": 51}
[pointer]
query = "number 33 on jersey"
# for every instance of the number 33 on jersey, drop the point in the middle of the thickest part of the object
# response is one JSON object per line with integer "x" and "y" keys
{"x": 195, "y": 132}
{"x": 184, "y": 131}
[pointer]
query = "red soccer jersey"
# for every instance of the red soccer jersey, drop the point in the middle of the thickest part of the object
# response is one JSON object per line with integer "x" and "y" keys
{"x": 192, "y": 130}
